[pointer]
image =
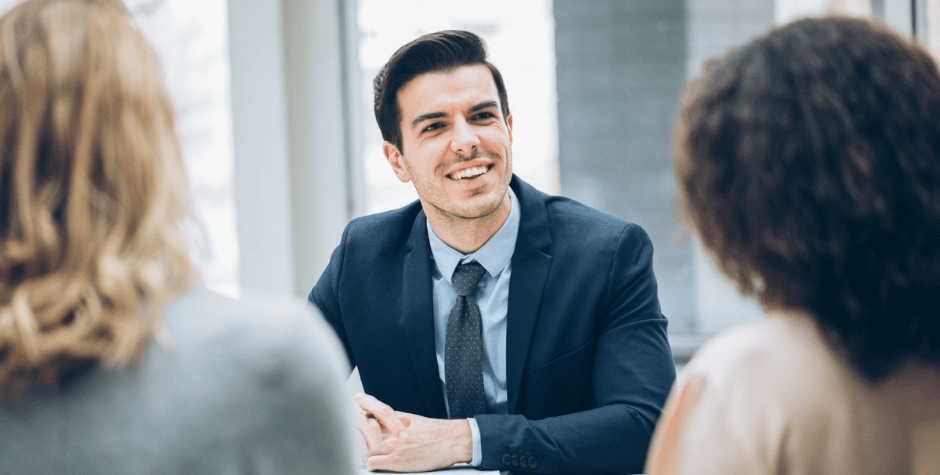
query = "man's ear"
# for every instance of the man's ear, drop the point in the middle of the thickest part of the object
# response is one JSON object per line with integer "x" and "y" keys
{"x": 509, "y": 126}
{"x": 396, "y": 160}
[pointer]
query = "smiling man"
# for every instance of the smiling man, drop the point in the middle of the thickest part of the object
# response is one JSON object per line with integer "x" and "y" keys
{"x": 491, "y": 324}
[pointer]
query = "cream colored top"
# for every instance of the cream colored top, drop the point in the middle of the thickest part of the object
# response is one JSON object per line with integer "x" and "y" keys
{"x": 773, "y": 398}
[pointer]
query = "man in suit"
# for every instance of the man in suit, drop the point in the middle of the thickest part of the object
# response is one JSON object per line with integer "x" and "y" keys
{"x": 491, "y": 324}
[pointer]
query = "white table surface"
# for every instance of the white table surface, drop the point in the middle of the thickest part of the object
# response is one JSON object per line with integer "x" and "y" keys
{"x": 459, "y": 469}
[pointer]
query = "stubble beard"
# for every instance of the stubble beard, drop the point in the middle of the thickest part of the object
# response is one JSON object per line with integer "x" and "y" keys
{"x": 456, "y": 215}
{"x": 501, "y": 189}
{"x": 464, "y": 216}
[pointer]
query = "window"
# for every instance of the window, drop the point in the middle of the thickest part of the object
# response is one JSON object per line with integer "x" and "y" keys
{"x": 191, "y": 39}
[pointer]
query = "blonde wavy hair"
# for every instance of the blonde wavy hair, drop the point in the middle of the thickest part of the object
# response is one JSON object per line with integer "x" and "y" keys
{"x": 92, "y": 192}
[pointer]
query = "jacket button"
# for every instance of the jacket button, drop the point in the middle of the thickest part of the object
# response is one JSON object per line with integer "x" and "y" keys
{"x": 515, "y": 460}
{"x": 506, "y": 460}
{"x": 524, "y": 462}
{"x": 533, "y": 462}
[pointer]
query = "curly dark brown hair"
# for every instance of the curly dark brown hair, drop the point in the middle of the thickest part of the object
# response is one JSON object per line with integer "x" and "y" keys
{"x": 809, "y": 163}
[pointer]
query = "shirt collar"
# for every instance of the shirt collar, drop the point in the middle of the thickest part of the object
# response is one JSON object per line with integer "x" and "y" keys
{"x": 494, "y": 256}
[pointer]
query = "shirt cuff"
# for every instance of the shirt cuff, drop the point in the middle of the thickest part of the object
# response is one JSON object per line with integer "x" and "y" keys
{"x": 477, "y": 451}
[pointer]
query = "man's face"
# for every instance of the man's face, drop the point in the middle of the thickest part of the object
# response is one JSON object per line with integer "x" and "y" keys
{"x": 457, "y": 145}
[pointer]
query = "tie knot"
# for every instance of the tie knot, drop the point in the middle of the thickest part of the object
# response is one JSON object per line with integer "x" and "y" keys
{"x": 466, "y": 277}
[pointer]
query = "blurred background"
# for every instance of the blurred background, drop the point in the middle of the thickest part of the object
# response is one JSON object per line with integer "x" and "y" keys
{"x": 274, "y": 109}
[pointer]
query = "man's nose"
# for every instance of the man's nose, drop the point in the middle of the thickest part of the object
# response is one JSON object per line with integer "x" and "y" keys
{"x": 464, "y": 140}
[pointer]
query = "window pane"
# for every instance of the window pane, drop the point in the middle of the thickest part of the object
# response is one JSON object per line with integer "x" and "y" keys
{"x": 933, "y": 28}
{"x": 191, "y": 39}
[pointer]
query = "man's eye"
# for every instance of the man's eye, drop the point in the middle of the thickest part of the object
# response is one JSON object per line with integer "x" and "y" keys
{"x": 433, "y": 127}
{"x": 484, "y": 116}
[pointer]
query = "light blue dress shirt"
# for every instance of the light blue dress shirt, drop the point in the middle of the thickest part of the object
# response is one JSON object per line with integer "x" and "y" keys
{"x": 492, "y": 295}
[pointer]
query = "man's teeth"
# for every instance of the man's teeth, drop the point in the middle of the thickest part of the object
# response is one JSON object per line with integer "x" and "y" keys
{"x": 468, "y": 173}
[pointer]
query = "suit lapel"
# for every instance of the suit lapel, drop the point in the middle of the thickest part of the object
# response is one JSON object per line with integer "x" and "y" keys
{"x": 531, "y": 261}
{"x": 419, "y": 317}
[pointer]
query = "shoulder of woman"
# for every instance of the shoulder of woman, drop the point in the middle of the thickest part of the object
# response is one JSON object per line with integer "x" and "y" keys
{"x": 254, "y": 333}
{"x": 765, "y": 353}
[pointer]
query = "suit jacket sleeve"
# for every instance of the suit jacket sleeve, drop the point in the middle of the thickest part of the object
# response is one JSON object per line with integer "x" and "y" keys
{"x": 325, "y": 295}
{"x": 631, "y": 373}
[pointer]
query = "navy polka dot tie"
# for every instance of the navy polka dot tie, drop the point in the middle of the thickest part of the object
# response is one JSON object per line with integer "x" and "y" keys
{"x": 463, "y": 348}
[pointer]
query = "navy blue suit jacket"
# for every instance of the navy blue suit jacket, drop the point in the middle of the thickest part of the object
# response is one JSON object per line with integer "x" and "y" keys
{"x": 588, "y": 363}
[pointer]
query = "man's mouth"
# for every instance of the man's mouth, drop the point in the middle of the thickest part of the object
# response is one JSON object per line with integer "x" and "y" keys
{"x": 469, "y": 173}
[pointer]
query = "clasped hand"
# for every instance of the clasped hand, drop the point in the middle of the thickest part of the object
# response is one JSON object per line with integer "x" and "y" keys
{"x": 402, "y": 442}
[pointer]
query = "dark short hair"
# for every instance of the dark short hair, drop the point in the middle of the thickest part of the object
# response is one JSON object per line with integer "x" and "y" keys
{"x": 442, "y": 51}
{"x": 809, "y": 163}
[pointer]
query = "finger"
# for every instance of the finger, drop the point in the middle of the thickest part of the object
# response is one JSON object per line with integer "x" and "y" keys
{"x": 359, "y": 415}
{"x": 405, "y": 418}
{"x": 372, "y": 433}
{"x": 382, "y": 412}
{"x": 362, "y": 445}
{"x": 383, "y": 462}
{"x": 369, "y": 429}
{"x": 370, "y": 404}
{"x": 356, "y": 398}
{"x": 359, "y": 419}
